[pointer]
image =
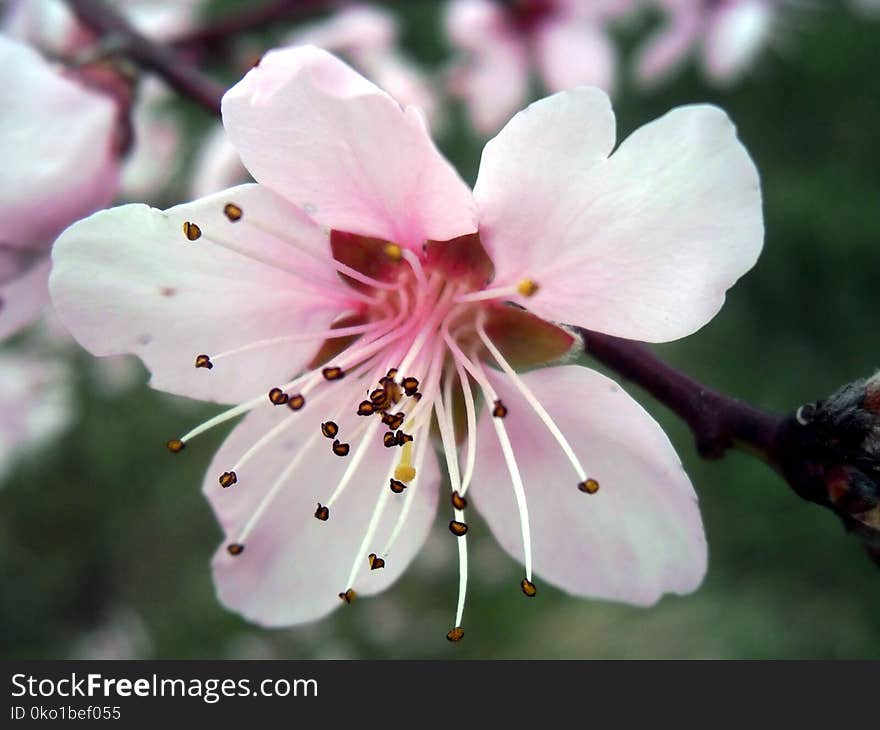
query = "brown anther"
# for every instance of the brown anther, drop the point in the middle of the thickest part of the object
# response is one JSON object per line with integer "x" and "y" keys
{"x": 296, "y": 402}
{"x": 529, "y": 588}
{"x": 410, "y": 385}
{"x": 393, "y": 421}
{"x": 348, "y": 596}
{"x": 389, "y": 439}
{"x": 590, "y": 486}
{"x": 456, "y": 634}
{"x": 365, "y": 408}
{"x": 417, "y": 397}
{"x": 500, "y": 410}
{"x": 379, "y": 397}
{"x": 329, "y": 429}
{"x": 322, "y": 513}
{"x": 376, "y": 563}
{"x": 459, "y": 529}
{"x": 341, "y": 449}
{"x": 203, "y": 361}
{"x": 334, "y": 373}
{"x": 175, "y": 446}
{"x": 397, "y": 486}
{"x": 233, "y": 212}
{"x": 391, "y": 373}
{"x": 278, "y": 397}
{"x": 228, "y": 478}
{"x": 191, "y": 231}
{"x": 235, "y": 549}
{"x": 458, "y": 502}
{"x": 403, "y": 438}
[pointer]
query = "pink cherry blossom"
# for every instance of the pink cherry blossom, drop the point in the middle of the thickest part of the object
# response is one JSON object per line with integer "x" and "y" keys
{"x": 729, "y": 34}
{"x": 566, "y": 41}
{"x": 60, "y": 163}
{"x": 359, "y": 297}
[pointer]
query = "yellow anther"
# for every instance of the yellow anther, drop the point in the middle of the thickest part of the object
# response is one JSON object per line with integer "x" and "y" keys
{"x": 527, "y": 288}
{"x": 590, "y": 486}
{"x": 456, "y": 634}
{"x": 232, "y": 212}
{"x": 191, "y": 231}
{"x": 393, "y": 251}
{"x": 528, "y": 588}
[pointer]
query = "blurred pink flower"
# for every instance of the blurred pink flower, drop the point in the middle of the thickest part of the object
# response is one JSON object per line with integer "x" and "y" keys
{"x": 367, "y": 290}
{"x": 364, "y": 35}
{"x": 565, "y": 40}
{"x": 35, "y": 404}
{"x": 59, "y": 145}
{"x": 730, "y": 35}
{"x": 50, "y": 26}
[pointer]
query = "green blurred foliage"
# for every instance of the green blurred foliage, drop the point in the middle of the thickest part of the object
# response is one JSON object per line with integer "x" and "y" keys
{"x": 105, "y": 540}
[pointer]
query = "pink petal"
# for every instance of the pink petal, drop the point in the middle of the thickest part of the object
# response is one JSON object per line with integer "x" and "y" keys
{"x": 57, "y": 149}
{"x": 331, "y": 142}
{"x": 642, "y": 245}
{"x": 638, "y": 537}
{"x": 23, "y": 297}
{"x": 572, "y": 53}
{"x": 735, "y": 36}
{"x": 294, "y": 566}
{"x": 357, "y": 31}
{"x": 127, "y": 280}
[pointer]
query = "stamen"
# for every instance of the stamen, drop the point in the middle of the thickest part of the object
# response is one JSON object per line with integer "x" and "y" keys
{"x": 175, "y": 446}
{"x": 329, "y": 429}
{"x": 393, "y": 251}
{"x": 235, "y": 549}
{"x": 530, "y": 398}
{"x": 232, "y": 212}
{"x": 527, "y": 288}
{"x": 500, "y": 410}
{"x": 408, "y": 499}
{"x": 471, "y": 414}
{"x": 348, "y": 596}
{"x": 393, "y": 421}
{"x": 528, "y": 588}
{"x": 203, "y": 361}
{"x": 455, "y": 634}
{"x": 296, "y": 402}
{"x": 403, "y": 438}
{"x": 397, "y": 486}
{"x": 589, "y": 486}
{"x": 355, "y": 462}
{"x": 191, "y": 231}
{"x": 376, "y": 563}
{"x": 228, "y": 478}
{"x": 365, "y": 408}
{"x": 458, "y": 528}
{"x": 341, "y": 449}
{"x": 278, "y": 397}
{"x": 458, "y": 502}
{"x": 333, "y": 373}
{"x": 416, "y": 265}
{"x": 322, "y": 513}
{"x": 410, "y": 385}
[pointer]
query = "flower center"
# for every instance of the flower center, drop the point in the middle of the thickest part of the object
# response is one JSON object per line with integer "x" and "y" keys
{"x": 401, "y": 363}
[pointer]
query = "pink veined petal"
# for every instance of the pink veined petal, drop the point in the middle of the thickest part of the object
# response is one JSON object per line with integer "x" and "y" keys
{"x": 735, "y": 35}
{"x": 642, "y": 245}
{"x": 217, "y": 166}
{"x": 666, "y": 50}
{"x": 294, "y": 566}
{"x": 638, "y": 537}
{"x": 57, "y": 149}
{"x": 127, "y": 280}
{"x": 575, "y": 53}
{"x": 23, "y": 297}
{"x": 312, "y": 129}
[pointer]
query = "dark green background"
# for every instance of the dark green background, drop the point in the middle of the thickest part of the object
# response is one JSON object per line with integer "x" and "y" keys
{"x": 105, "y": 539}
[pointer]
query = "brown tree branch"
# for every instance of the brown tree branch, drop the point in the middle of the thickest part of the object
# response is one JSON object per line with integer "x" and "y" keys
{"x": 109, "y": 25}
